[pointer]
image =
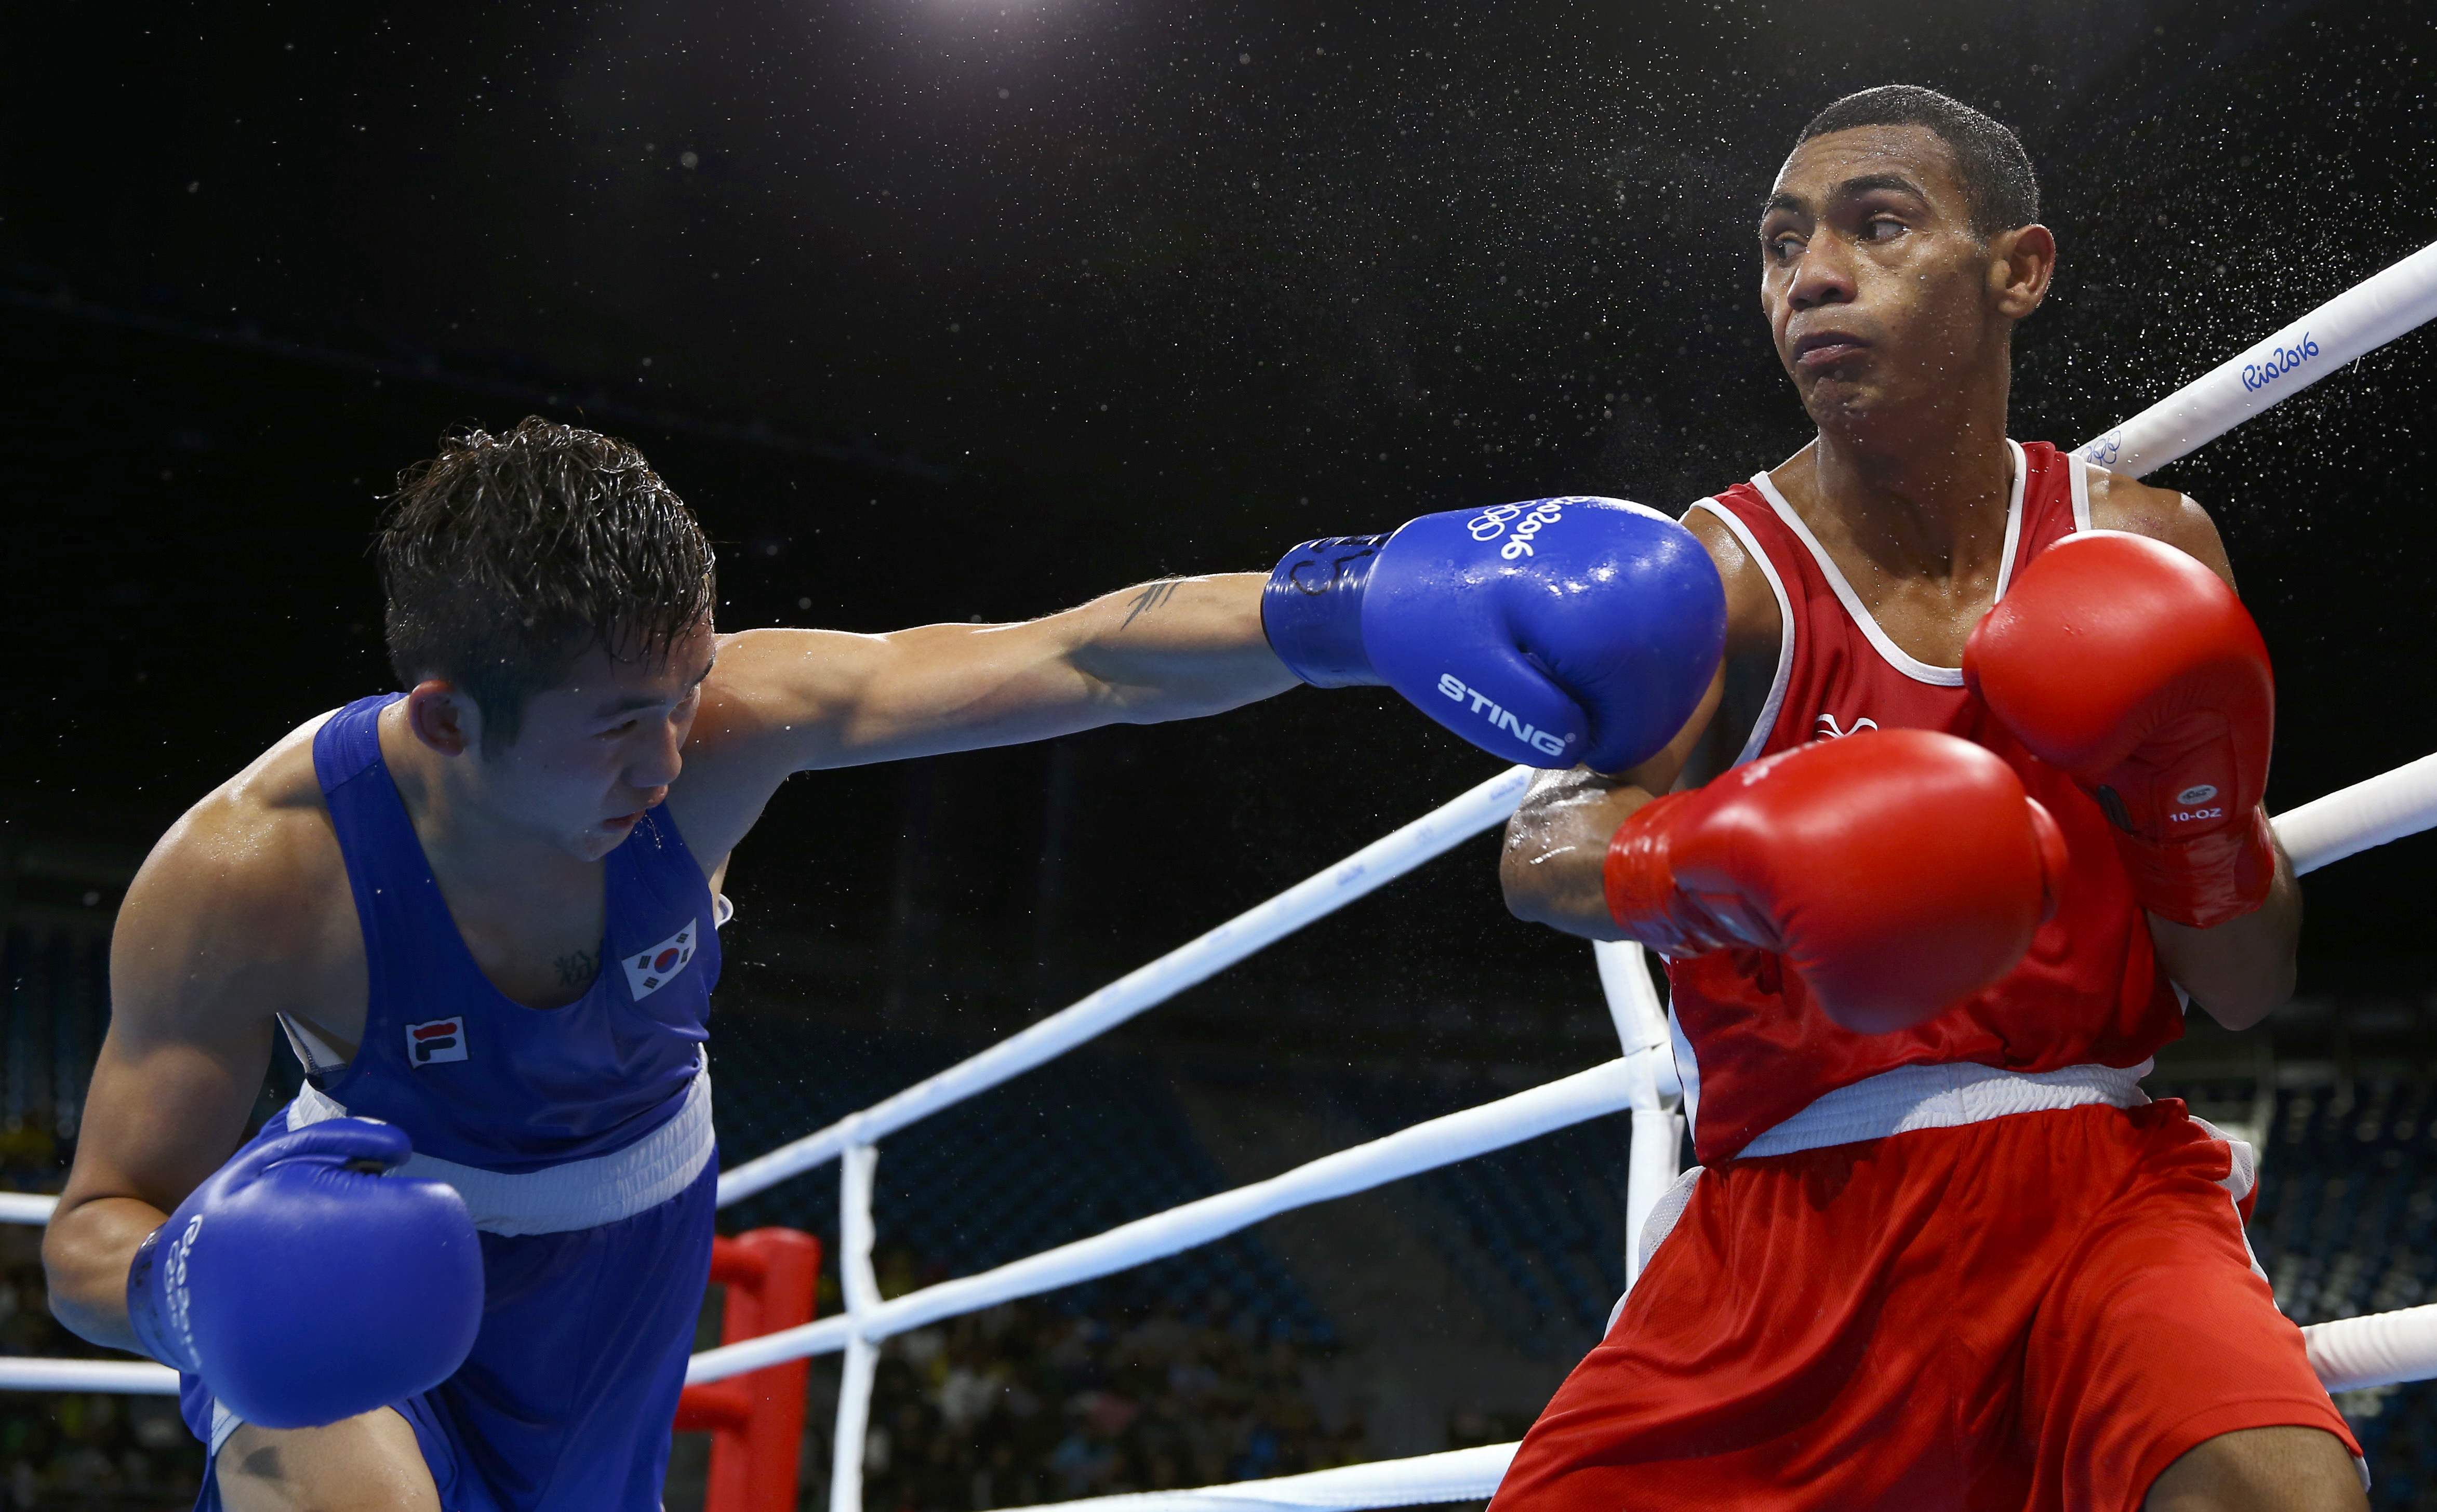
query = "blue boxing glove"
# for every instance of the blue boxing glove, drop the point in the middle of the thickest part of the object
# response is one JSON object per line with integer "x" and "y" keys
{"x": 1556, "y": 632}
{"x": 305, "y": 1285}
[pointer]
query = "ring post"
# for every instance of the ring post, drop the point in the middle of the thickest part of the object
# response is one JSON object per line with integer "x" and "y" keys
{"x": 1658, "y": 1095}
{"x": 862, "y": 1291}
{"x": 758, "y": 1419}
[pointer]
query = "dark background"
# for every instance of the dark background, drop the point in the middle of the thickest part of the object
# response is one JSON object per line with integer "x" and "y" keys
{"x": 949, "y": 309}
{"x": 940, "y": 310}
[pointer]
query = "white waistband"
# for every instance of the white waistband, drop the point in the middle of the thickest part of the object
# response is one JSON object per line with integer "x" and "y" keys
{"x": 576, "y": 1194}
{"x": 1940, "y": 1097}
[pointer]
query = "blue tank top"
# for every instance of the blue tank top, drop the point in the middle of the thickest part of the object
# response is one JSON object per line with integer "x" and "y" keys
{"x": 469, "y": 1075}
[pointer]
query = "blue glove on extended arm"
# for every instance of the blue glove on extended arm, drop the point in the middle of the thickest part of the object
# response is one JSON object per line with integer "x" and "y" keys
{"x": 1554, "y": 632}
{"x": 305, "y": 1285}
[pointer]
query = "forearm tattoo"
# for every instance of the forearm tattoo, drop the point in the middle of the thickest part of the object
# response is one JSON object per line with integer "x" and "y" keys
{"x": 1152, "y": 596}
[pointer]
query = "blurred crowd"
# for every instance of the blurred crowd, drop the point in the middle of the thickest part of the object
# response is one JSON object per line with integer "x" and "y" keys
{"x": 80, "y": 1454}
{"x": 1028, "y": 1404}
{"x": 1022, "y": 1404}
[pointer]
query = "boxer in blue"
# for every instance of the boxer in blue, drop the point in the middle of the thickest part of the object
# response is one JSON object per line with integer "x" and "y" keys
{"x": 461, "y": 1270}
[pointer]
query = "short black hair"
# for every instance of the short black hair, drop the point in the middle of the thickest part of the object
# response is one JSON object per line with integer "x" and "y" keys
{"x": 1998, "y": 183}
{"x": 505, "y": 558}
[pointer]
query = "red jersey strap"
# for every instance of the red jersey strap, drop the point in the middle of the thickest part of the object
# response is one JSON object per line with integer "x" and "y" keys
{"x": 2048, "y": 499}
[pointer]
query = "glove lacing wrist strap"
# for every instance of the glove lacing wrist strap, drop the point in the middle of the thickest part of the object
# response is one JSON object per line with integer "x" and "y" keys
{"x": 164, "y": 1328}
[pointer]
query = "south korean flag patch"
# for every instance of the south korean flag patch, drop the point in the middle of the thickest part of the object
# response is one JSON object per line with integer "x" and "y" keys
{"x": 648, "y": 971}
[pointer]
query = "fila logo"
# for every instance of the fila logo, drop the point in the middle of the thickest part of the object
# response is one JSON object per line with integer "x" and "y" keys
{"x": 648, "y": 971}
{"x": 1828, "y": 729}
{"x": 441, "y": 1039}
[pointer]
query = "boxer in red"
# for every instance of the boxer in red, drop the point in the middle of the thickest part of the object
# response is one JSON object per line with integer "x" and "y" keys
{"x": 1983, "y": 770}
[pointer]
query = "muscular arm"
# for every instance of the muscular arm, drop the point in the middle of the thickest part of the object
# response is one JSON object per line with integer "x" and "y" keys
{"x": 1556, "y": 843}
{"x": 2242, "y": 971}
{"x": 781, "y": 702}
{"x": 197, "y": 964}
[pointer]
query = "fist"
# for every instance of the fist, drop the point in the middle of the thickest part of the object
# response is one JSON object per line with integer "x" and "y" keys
{"x": 1896, "y": 871}
{"x": 1555, "y": 633}
{"x": 2133, "y": 667}
{"x": 306, "y": 1285}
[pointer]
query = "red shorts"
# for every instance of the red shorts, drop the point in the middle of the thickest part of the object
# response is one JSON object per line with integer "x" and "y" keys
{"x": 2040, "y": 1312}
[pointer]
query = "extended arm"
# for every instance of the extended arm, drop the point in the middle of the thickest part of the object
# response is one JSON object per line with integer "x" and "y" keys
{"x": 1170, "y": 650}
{"x": 1557, "y": 631}
{"x": 780, "y": 701}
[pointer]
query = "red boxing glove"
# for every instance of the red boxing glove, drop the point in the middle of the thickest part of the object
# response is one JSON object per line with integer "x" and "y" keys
{"x": 2135, "y": 669}
{"x": 1897, "y": 872}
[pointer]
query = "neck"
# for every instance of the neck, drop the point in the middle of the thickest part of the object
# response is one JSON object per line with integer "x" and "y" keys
{"x": 466, "y": 841}
{"x": 1921, "y": 492}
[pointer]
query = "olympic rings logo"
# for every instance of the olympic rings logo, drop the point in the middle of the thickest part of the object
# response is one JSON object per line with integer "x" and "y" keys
{"x": 2257, "y": 375}
{"x": 181, "y": 1305}
{"x": 1537, "y": 516}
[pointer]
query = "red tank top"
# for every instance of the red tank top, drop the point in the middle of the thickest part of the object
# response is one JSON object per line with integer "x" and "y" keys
{"x": 1750, "y": 1049}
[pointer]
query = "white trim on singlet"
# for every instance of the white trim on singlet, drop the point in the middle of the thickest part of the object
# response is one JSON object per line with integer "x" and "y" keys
{"x": 576, "y": 1193}
{"x": 1942, "y": 1096}
{"x": 1687, "y": 1068}
{"x": 2079, "y": 471}
{"x": 320, "y": 1058}
{"x": 1894, "y": 655}
{"x": 1768, "y": 711}
{"x": 1936, "y": 1097}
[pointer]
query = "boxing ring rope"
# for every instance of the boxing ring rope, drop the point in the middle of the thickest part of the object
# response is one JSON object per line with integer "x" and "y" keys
{"x": 2347, "y": 1353}
{"x": 1383, "y": 860}
{"x": 2353, "y": 324}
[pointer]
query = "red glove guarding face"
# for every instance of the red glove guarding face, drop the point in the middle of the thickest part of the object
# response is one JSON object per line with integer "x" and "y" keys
{"x": 2135, "y": 669}
{"x": 1897, "y": 872}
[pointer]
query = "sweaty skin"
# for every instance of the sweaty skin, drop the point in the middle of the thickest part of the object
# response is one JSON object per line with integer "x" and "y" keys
{"x": 243, "y": 911}
{"x": 1895, "y": 322}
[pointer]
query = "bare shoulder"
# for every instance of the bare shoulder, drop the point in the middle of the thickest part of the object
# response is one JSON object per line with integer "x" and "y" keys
{"x": 243, "y": 900}
{"x": 774, "y": 704}
{"x": 776, "y": 681}
{"x": 1754, "y": 622}
{"x": 2121, "y": 503}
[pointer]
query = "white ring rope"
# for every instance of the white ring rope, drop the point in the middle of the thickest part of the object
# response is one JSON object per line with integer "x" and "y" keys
{"x": 1456, "y": 1475}
{"x": 1381, "y": 861}
{"x": 25, "y": 1208}
{"x": 2347, "y": 1353}
{"x": 1441, "y": 1142}
{"x": 2345, "y": 823}
{"x": 2353, "y": 324}
{"x": 2381, "y": 1350}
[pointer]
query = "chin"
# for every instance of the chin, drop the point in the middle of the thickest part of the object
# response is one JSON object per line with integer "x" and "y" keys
{"x": 1844, "y": 406}
{"x": 593, "y": 842}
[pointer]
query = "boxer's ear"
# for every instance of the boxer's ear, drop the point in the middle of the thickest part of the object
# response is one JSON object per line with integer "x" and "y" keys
{"x": 2020, "y": 263}
{"x": 442, "y": 717}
